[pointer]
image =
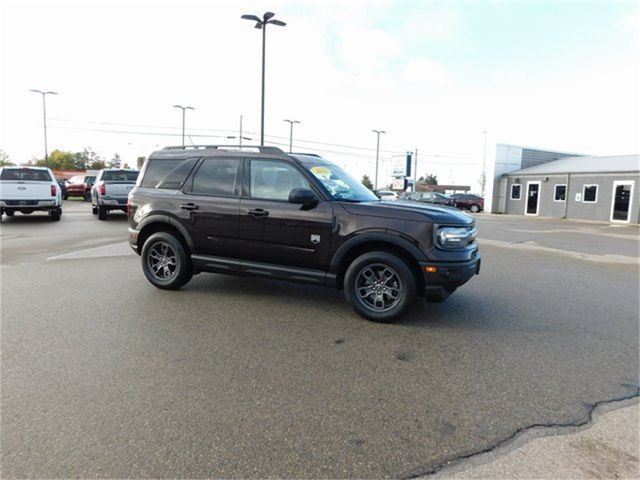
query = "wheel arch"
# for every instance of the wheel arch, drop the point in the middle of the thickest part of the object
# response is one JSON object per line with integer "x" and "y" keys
{"x": 163, "y": 223}
{"x": 382, "y": 241}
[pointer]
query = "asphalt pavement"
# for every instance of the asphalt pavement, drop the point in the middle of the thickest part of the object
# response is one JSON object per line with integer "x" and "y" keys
{"x": 104, "y": 375}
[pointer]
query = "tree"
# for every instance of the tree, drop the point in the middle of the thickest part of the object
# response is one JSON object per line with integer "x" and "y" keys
{"x": 140, "y": 162}
{"x": 430, "y": 179}
{"x": 90, "y": 159}
{"x": 366, "y": 181}
{"x": 5, "y": 161}
{"x": 60, "y": 160}
{"x": 115, "y": 162}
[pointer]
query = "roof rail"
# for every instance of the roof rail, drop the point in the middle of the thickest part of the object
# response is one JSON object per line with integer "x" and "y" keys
{"x": 307, "y": 154}
{"x": 260, "y": 148}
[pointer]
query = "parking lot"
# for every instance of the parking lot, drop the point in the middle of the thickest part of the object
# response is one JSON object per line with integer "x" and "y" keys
{"x": 104, "y": 375}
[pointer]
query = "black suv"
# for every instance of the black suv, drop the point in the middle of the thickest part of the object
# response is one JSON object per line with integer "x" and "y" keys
{"x": 258, "y": 211}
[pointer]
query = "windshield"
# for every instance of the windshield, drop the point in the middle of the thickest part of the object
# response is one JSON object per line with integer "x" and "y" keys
{"x": 25, "y": 175}
{"x": 340, "y": 184}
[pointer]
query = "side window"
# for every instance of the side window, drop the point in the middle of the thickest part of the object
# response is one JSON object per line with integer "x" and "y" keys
{"x": 216, "y": 177}
{"x": 516, "y": 189}
{"x": 157, "y": 169}
{"x": 175, "y": 178}
{"x": 560, "y": 193}
{"x": 274, "y": 180}
{"x": 590, "y": 194}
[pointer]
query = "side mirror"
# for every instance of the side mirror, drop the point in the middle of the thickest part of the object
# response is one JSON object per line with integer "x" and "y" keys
{"x": 303, "y": 196}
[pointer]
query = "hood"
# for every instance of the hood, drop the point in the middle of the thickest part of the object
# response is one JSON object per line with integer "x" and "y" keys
{"x": 437, "y": 213}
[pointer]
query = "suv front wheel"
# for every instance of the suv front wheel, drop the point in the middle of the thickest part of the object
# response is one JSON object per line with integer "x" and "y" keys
{"x": 165, "y": 262}
{"x": 379, "y": 286}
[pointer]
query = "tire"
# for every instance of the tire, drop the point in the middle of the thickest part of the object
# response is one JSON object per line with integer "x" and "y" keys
{"x": 9, "y": 213}
{"x": 102, "y": 213}
{"x": 87, "y": 197}
{"x": 474, "y": 208}
{"x": 162, "y": 247}
{"x": 367, "y": 273}
{"x": 56, "y": 214}
{"x": 94, "y": 209}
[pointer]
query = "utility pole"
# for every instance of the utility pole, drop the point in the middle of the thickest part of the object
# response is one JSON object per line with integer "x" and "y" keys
{"x": 44, "y": 115}
{"x": 378, "y": 132}
{"x": 240, "y": 136}
{"x": 415, "y": 171}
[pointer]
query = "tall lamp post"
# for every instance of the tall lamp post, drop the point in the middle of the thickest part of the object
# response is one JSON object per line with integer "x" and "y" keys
{"x": 261, "y": 23}
{"x": 44, "y": 115}
{"x": 291, "y": 122}
{"x": 484, "y": 163}
{"x": 378, "y": 132}
{"x": 184, "y": 109}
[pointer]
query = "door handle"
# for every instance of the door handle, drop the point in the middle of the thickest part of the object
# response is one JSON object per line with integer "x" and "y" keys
{"x": 189, "y": 206}
{"x": 258, "y": 212}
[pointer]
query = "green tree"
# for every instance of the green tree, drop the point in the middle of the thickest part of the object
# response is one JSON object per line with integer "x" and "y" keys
{"x": 97, "y": 165}
{"x": 431, "y": 179}
{"x": 60, "y": 160}
{"x": 90, "y": 159}
{"x": 366, "y": 181}
{"x": 5, "y": 161}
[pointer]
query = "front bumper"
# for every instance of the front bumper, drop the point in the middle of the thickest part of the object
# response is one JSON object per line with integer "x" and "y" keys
{"x": 442, "y": 278}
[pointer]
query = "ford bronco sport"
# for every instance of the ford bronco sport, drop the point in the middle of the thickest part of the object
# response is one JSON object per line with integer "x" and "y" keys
{"x": 260, "y": 212}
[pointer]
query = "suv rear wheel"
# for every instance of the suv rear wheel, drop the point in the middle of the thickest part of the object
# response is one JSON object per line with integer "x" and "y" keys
{"x": 474, "y": 208}
{"x": 165, "y": 262}
{"x": 379, "y": 286}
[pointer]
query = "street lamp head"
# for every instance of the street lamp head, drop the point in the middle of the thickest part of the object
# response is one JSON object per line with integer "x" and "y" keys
{"x": 178, "y": 106}
{"x": 50, "y": 93}
{"x": 279, "y": 23}
{"x": 267, "y": 16}
{"x": 189, "y": 108}
{"x": 253, "y": 18}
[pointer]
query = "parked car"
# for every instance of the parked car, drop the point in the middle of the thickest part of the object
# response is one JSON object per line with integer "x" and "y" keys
{"x": 469, "y": 201}
{"x": 29, "y": 189}
{"x": 111, "y": 190}
{"x": 80, "y": 186}
{"x": 294, "y": 217}
{"x": 386, "y": 195}
{"x": 429, "y": 197}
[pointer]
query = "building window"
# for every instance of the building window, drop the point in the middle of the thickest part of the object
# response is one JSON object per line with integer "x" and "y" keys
{"x": 590, "y": 194}
{"x": 516, "y": 190}
{"x": 560, "y": 193}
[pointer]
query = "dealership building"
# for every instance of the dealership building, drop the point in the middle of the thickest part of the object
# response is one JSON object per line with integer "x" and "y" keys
{"x": 563, "y": 185}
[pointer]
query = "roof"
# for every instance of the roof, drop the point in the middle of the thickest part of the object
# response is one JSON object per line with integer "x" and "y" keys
{"x": 614, "y": 163}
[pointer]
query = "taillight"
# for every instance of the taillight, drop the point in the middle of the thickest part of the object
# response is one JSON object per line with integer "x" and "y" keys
{"x": 102, "y": 189}
{"x": 54, "y": 191}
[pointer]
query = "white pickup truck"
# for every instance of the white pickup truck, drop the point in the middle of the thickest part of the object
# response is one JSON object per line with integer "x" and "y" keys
{"x": 111, "y": 190}
{"x": 29, "y": 189}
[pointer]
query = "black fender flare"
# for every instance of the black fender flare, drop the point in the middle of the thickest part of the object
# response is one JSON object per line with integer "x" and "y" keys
{"x": 169, "y": 220}
{"x": 386, "y": 236}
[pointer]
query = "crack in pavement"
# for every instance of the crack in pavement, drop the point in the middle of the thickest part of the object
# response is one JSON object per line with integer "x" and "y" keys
{"x": 457, "y": 459}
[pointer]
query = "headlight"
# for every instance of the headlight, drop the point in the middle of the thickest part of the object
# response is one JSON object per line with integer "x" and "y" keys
{"x": 455, "y": 237}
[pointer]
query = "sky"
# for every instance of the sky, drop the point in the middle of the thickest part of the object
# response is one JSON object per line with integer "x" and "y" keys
{"x": 433, "y": 75}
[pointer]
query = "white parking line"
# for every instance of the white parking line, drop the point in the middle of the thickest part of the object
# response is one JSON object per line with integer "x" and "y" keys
{"x": 120, "y": 249}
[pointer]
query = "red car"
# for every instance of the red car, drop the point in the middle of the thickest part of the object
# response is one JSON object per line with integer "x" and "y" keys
{"x": 80, "y": 186}
{"x": 468, "y": 201}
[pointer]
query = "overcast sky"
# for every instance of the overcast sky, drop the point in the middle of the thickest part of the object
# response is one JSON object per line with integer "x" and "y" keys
{"x": 434, "y": 75}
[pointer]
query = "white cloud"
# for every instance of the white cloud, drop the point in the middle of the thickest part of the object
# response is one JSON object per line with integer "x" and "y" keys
{"x": 427, "y": 72}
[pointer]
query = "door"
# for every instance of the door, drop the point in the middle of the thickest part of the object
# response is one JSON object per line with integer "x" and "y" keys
{"x": 621, "y": 201}
{"x": 272, "y": 230}
{"x": 533, "y": 198}
{"x": 210, "y": 205}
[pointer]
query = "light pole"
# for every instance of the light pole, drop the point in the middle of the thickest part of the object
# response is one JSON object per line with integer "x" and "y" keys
{"x": 184, "y": 109}
{"x": 484, "y": 163}
{"x": 378, "y": 132}
{"x": 44, "y": 115}
{"x": 267, "y": 18}
{"x": 291, "y": 122}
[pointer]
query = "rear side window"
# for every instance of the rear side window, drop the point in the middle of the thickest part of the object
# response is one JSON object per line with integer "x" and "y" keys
{"x": 120, "y": 176}
{"x": 157, "y": 170}
{"x": 176, "y": 177}
{"x": 216, "y": 177}
{"x": 25, "y": 175}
